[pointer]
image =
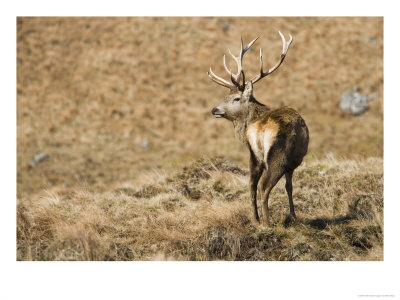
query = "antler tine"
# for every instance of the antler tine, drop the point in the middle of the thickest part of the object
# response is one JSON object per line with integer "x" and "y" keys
{"x": 285, "y": 49}
{"x": 219, "y": 80}
{"x": 236, "y": 60}
{"x": 226, "y": 67}
{"x": 250, "y": 44}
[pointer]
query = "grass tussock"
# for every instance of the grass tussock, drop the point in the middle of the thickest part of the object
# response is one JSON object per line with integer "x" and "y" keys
{"x": 202, "y": 212}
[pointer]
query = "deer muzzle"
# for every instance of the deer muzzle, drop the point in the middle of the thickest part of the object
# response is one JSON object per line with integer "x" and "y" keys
{"x": 217, "y": 112}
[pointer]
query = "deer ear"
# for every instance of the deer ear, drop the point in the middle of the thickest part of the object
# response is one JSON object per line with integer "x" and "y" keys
{"x": 248, "y": 91}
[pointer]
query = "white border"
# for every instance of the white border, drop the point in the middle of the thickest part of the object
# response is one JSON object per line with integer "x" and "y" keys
{"x": 192, "y": 280}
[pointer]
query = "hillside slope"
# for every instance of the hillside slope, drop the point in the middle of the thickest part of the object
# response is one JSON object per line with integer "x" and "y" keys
{"x": 202, "y": 212}
{"x": 109, "y": 98}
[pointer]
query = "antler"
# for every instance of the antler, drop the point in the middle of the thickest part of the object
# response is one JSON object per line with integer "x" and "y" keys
{"x": 285, "y": 48}
{"x": 235, "y": 78}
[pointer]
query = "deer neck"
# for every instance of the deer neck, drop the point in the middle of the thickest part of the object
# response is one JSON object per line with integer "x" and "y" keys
{"x": 254, "y": 112}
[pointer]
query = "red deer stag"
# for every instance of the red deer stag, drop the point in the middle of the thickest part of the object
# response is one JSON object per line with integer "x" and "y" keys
{"x": 277, "y": 139}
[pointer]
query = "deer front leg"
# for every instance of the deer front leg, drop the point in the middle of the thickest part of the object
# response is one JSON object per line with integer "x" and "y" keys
{"x": 256, "y": 170}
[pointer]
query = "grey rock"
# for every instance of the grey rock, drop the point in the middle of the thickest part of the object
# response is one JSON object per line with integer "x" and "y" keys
{"x": 354, "y": 102}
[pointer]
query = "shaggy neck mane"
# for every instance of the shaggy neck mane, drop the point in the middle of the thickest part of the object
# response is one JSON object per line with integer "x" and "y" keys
{"x": 255, "y": 110}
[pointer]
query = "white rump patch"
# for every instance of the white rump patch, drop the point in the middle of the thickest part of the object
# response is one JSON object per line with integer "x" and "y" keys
{"x": 268, "y": 139}
{"x": 261, "y": 141}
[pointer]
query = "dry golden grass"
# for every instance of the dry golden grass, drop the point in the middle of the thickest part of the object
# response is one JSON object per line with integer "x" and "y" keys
{"x": 203, "y": 212}
{"x": 90, "y": 91}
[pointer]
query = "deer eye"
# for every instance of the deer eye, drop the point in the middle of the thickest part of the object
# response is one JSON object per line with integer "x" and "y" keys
{"x": 237, "y": 98}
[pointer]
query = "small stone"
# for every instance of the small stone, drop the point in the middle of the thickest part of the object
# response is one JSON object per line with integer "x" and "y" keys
{"x": 38, "y": 158}
{"x": 145, "y": 144}
{"x": 330, "y": 156}
{"x": 373, "y": 40}
{"x": 372, "y": 97}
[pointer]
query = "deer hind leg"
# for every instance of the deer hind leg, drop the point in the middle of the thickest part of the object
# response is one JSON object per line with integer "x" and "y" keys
{"x": 269, "y": 181}
{"x": 289, "y": 190}
{"x": 256, "y": 169}
{"x": 260, "y": 189}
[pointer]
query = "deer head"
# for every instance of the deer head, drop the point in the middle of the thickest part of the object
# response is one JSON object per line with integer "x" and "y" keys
{"x": 241, "y": 92}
